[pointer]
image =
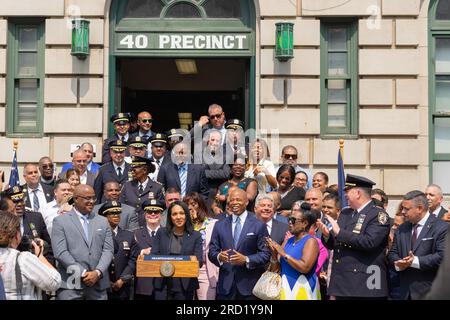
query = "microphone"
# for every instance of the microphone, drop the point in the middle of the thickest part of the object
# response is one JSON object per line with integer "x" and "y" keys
{"x": 35, "y": 235}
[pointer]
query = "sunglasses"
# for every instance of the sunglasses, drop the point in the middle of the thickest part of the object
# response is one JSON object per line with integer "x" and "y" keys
{"x": 146, "y": 120}
{"x": 290, "y": 156}
{"x": 214, "y": 116}
{"x": 47, "y": 166}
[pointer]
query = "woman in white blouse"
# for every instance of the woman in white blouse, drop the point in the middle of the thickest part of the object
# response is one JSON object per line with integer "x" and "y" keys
{"x": 260, "y": 167}
{"x": 36, "y": 273}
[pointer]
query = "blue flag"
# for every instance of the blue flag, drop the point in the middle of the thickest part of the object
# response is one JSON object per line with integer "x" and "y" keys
{"x": 341, "y": 180}
{"x": 14, "y": 176}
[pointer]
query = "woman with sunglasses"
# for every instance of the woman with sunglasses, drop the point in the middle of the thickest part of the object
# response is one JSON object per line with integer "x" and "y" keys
{"x": 177, "y": 238}
{"x": 289, "y": 193}
{"x": 297, "y": 257}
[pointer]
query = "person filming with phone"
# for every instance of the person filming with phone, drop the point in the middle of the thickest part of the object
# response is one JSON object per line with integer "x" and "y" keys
{"x": 241, "y": 258}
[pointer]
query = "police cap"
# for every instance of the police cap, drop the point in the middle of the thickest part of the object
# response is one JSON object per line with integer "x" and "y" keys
{"x": 152, "y": 205}
{"x": 354, "y": 181}
{"x": 120, "y": 117}
{"x": 110, "y": 207}
{"x": 16, "y": 193}
{"x": 234, "y": 124}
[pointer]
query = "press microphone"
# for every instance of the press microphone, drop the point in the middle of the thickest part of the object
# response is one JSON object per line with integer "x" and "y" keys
{"x": 35, "y": 235}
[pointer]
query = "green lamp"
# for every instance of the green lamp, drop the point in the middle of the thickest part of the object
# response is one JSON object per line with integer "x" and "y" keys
{"x": 80, "y": 38}
{"x": 284, "y": 49}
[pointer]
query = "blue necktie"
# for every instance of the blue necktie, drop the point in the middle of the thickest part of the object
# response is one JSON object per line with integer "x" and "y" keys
{"x": 85, "y": 227}
{"x": 237, "y": 232}
{"x": 35, "y": 200}
{"x": 183, "y": 178}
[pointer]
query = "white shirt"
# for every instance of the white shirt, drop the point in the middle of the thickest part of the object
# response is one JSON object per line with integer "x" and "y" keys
{"x": 242, "y": 218}
{"x": 41, "y": 198}
{"x": 436, "y": 212}
{"x": 144, "y": 184}
{"x": 115, "y": 230}
{"x": 50, "y": 212}
{"x": 122, "y": 167}
{"x": 269, "y": 226}
{"x": 154, "y": 175}
{"x": 83, "y": 178}
{"x": 80, "y": 216}
{"x": 33, "y": 272}
{"x": 125, "y": 137}
{"x": 150, "y": 230}
{"x": 261, "y": 178}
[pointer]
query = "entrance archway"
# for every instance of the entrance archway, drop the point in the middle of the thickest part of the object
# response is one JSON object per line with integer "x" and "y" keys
{"x": 152, "y": 42}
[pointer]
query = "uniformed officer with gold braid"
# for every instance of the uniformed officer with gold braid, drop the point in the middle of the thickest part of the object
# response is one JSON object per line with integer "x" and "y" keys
{"x": 358, "y": 240}
{"x": 136, "y": 191}
{"x": 126, "y": 250}
{"x": 121, "y": 122}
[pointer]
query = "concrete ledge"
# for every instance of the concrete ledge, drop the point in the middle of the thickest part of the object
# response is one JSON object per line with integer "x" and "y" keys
{"x": 29, "y": 8}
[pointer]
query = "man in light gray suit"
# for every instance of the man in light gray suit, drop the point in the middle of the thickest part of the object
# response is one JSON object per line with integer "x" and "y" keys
{"x": 128, "y": 217}
{"x": 83, "y": 247}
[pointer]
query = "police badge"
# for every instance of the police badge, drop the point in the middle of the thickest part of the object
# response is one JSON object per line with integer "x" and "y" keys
{"x": 126, "y": 246}
{"x": 382, "y": 218}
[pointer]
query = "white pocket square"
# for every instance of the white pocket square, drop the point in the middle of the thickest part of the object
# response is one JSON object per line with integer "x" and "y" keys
{"x": 425, "y": 239}
{"x": 99, "y": 229}
{"x": 250, "y": 234}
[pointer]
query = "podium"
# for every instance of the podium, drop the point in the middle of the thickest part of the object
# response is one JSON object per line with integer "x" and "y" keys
{"x": 154, "y": 266}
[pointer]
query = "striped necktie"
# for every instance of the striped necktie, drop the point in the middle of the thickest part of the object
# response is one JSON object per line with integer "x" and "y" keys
{"x": 237, "y": 232}
{"x": 35, "y": 200}
{"x": 182, "y": 173}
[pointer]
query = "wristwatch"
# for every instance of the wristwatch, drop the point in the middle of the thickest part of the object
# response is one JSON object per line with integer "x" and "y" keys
{"x": 287, "y": 257}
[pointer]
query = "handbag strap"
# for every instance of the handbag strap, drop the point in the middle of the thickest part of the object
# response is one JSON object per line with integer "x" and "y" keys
{"x": 19, "y": 282}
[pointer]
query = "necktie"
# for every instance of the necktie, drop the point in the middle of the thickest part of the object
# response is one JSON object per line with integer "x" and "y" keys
{"x": 119, "y": 172}
{"x": 237, "y": 232}
{"x": 35, "y": 200}
{"x": 141, "y": 189}
{"x": 414, "y": 235}
{"x": 158, "y": 161}
{"x": 153, "y": 233}
{"x": 85, "y": 227}
{"x": 183, "y": 178}
{"x": 122, "y": 138}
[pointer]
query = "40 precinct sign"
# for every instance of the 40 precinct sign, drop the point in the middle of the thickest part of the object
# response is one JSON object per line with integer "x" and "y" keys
{"x": 185, "y": 43}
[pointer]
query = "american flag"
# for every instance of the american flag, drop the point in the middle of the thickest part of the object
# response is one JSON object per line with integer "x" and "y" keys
{"x": 14, "y": 177}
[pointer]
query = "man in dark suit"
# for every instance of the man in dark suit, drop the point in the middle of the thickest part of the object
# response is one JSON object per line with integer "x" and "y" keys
{"x": 37, "y": 194}
{"x": 32, "y": 224}
{"x": 121, "y": 122}
{"x": 126, "y": 250}
{"x": 435, "y": 198}
{"x": 117, "y": 170}
{"x": 128, "y": 216}
{"x": 418, "y": 246}
{"x": 135, "y": 192}
{"x": 264, "y": 209}
{"x": 160, "y": 157}
{"x": 238, "y": 248}
{"x": 144, "y": 237}
{"x": 214, "y": 120}
{"x": 359, "y": 238}
{"x": 83, "y": 246}
{"x": 440, "y": 290}
{"x": 183, "y": 175}
{"x": 79, "y": 162}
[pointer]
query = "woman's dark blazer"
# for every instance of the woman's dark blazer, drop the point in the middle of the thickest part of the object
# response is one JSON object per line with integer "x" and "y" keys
{"x": 192, "y": 246}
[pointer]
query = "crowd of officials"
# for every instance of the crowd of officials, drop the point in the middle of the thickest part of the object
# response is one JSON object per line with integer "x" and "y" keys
{"x": 239, "y": 211}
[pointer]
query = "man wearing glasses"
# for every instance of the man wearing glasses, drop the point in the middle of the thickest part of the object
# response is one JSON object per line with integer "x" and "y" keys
{"x": 289, "y": 155}
{"x": 46, "y": 168}
{"x": 145, "y": 122}
{"x": 214, "y": 120}
{"x": 83, "y": 246}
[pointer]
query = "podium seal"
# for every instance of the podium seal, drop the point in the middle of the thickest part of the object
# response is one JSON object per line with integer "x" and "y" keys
{"x": 167, "y": 269}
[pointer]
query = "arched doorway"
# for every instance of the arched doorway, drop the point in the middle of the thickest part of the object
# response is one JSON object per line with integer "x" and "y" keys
{"x": 175, "y": 57}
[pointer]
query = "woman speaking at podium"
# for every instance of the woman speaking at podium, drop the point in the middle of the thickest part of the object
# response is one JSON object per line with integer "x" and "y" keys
{"x": 177, "y": 238}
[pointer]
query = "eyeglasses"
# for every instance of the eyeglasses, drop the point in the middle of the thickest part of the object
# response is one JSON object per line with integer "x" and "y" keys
{"x": 146, "y": 120}
{"x": 214, "y": 116}
{"x": 290, "y": 156}
{"x": 293, "y": 220}
{"x": 152, "y": 212}
{"x": 87, "y": 198}
{"x": 47, "y": 166}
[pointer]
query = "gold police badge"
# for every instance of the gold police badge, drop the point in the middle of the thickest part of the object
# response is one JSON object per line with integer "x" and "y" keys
{"x": 382, "y": 218}
{"x": 167, "y": 269}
